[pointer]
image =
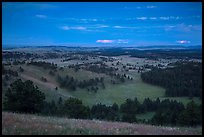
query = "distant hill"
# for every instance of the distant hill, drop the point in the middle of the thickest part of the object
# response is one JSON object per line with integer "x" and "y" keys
{"x": 24, "y": 124}
{"x": 147, "y": 47}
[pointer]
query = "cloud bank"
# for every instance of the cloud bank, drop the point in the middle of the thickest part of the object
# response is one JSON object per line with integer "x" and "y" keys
{"x": 112, "y": 41}
{"x": 73, "y": 28}
{"x": 183, "y": 42}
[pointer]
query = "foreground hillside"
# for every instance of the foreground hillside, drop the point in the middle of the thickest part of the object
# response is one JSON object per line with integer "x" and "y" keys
{"x": 13, "y": 123}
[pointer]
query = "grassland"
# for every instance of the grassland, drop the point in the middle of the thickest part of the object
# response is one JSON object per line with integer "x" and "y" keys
{"x": 27, "y": 124}
{"x": 117, "y": 93}
{"x": 120, "y": 92}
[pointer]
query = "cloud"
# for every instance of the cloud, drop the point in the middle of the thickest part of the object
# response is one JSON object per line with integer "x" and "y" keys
{"x": 65, "y": 28}
{"x": 170, "y": 17}
{"x": 122, "y": 41}
{"x": 151, "y": 7}
{"x": 41, "y": 16}
{"x": 90, "y": 28}
{"x": 138, "y": 7}
{"x": 94, "y": 20}
{"x": 79, "y": 28}
{"x": 141, "y": 18}
{"x": 164, "y": 18}
{"x": 105, "y": 41}
{"x": 183, "y": 42}
{"x": 87, "y": 20}
{"x": 183, "y": 28}
{"x": 119, "y": 27}
{"x": 73, "y": 28}
{"x": 159, "y": 18}
{"x": 143, "y": 7}
{"x": 169, "y": 27}
{"x": 153, "y": 18}
{"x": 102, "y": 26}
{"x": 125, "y": 27}
{"x": 113, "y": 41}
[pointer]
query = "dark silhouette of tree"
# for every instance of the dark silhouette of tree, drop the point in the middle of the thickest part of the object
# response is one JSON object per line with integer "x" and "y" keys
{"x": 51, "y": 73}
{"x": 11, "y": 72}
{"x": 75, "y": 109}
{"x": 191, "y": 116}
{"x": 7, "y": 77}
{"x": 184, "y": 79}
{"x": 24, "y": 97}
{"x": 21, "y": 69}
{"x": 43, "y": 79}
{"x": 129, "y": 118}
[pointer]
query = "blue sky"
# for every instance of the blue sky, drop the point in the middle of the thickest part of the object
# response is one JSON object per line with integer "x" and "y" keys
{"x": 102, "y": 23}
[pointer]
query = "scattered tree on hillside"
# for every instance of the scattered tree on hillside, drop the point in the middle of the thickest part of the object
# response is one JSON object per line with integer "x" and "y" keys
{"x": 51, "y": 73}
{"x": 43, "y": 79}
{"x": 21, "y": 69}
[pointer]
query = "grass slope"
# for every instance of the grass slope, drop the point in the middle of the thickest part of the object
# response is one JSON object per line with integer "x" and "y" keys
{"x": 112, "y": 94}
{"x": 26, "y": 124}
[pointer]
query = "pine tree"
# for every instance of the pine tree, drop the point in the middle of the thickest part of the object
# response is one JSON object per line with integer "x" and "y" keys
{"x": 24, "y": 97}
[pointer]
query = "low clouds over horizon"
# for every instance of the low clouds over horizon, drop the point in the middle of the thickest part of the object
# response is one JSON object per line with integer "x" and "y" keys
{"x": 112, "y": 41}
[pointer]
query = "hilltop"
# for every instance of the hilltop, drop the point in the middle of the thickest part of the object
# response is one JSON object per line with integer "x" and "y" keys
{"x": 13, "y": 123}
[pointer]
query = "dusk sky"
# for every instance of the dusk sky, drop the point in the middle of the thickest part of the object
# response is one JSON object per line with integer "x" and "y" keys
{"x": 102, "y": 23}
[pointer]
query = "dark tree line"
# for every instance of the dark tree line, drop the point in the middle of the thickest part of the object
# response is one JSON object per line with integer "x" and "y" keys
{"x": 67, "y": 82}
{"x": 10, "y": 72}
{"x": 71, "y": 83}
{"x": 100, "y": 67}
{"x": 51, "y": 55}
{"x": 27, "y": 98}
{"x": 185, "y": 79}
{"x": 172, "y": 114}
{"x": 155, "y": 54}
{"x": 45, "y": 65}
{"x": 17, "y": 55}
{"x": 103, "y": 112}
{"x": 16, "y": 62}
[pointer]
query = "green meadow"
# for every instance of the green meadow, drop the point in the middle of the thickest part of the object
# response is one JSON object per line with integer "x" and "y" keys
{"x": 113, "y": 93}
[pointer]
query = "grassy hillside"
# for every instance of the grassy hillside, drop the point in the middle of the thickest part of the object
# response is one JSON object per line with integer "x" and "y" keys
{"x": 117, "y": 93}
{"x": 23, "y": 124}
